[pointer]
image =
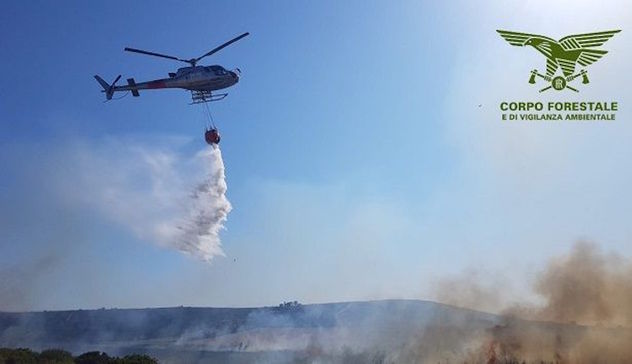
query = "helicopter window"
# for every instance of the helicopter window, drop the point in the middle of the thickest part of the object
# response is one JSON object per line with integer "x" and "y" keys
{"x": 218, "y": 70}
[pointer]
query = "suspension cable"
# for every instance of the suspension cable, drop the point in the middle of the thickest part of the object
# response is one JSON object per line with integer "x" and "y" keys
{"x": 210, "y": 115}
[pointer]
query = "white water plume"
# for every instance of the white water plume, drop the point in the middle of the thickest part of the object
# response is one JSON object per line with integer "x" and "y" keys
{"x": 207, "y": 210}
{"x": 161, "y": 195}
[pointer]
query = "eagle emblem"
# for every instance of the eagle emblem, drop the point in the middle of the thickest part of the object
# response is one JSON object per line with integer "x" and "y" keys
{"x": 564, "y": 54}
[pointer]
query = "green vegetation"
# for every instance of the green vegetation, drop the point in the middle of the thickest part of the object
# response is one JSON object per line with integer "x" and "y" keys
{"x": 291, "y": 306}
{"x": 56, "y": 356}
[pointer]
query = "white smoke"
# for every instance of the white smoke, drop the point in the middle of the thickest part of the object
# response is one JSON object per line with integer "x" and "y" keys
{"x": 207, "y": 210}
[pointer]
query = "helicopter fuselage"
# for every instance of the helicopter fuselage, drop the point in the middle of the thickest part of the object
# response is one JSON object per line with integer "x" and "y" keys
{"x": 198, "y": 78}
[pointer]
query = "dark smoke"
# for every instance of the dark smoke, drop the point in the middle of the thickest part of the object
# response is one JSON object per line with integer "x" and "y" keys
{"x": 587, "y": 287}
{"x": 584, "y": 318}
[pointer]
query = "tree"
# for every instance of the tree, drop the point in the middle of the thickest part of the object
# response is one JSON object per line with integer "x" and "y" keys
{"x": 55, "y": 356}
{"x": 18, "y": 356}
{"x": 136, "y": 359}
{"x": 93, "y": 357}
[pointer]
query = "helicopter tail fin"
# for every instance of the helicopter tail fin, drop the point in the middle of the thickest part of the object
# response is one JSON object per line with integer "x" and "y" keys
{"x": 107, "y": 88}
{"x": 132, "y": 86}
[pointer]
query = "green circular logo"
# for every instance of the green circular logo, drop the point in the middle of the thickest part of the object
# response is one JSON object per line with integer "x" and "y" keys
{"x": 559, "y": 83}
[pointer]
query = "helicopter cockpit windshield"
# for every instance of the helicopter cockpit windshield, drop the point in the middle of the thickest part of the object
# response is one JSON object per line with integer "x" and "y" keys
{"x": 217, "y": 70}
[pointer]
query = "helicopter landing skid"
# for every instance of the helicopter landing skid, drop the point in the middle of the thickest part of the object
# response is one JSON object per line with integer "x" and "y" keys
{"x": 201, "y": 97}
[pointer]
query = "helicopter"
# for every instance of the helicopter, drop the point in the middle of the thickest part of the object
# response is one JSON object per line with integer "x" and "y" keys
{"x": 200, "y": 80}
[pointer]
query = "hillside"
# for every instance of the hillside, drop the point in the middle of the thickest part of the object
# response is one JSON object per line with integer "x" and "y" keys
{"x": 356, "y": 331}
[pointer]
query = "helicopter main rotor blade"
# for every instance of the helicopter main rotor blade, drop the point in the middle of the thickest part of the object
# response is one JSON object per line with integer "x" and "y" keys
{"x": 154, "y": 54}
{"x": 219, "y": 48}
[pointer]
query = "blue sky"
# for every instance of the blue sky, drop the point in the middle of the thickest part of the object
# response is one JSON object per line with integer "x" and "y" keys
{"x": 359, "y": 164}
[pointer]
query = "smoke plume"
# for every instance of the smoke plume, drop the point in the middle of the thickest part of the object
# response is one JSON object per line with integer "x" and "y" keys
{"x": 584, "y": 317}
{"x": 587, "y": 287}
{"x": 198, "y": 233}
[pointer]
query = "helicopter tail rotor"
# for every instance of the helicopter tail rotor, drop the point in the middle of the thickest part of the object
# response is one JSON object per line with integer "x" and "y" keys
{"x": 107, "y": 88}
